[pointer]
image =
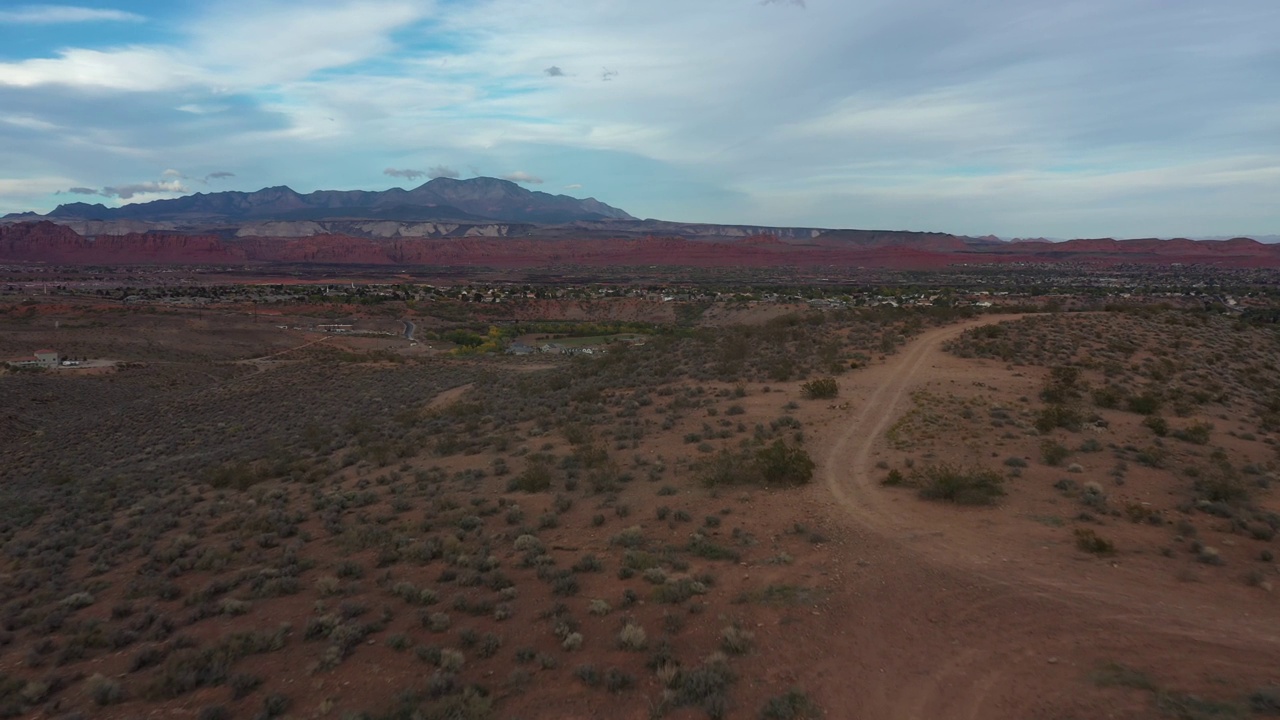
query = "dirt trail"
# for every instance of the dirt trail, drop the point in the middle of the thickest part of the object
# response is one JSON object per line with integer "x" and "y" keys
{"x": 963, "y": 629}
{"x": 448, "y": 397}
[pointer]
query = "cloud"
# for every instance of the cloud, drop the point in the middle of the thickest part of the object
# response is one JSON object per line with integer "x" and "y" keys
{"x": 125, "y": 192}
{"x": 521, "y": 176}
{"x": 996, "y": 110}
{"x": 80, "y": 191}
{"x": 442, "y": 171}
{"x": 406, "y": 174}
{"x": 231, "y": 48}
{"x": 130, "y": 69}
{"x": 574, "y": 186}
{"x": 58, "y": 14}
{"x": 219, "y": 175}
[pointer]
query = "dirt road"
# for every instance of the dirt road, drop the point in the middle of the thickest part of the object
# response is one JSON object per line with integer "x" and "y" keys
{"x": 947, "y": 618}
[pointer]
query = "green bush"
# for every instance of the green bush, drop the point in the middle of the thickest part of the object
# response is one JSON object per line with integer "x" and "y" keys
{"x": 949, "y": 483}
{"x": 780, "y": 464}
{"x": 821, "y": 388}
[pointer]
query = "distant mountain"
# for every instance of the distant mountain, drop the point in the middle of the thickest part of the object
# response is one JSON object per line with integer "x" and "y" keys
{"x": 477, "y": 200}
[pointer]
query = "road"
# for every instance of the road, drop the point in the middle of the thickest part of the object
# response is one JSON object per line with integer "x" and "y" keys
{"x": 409, "y": 329}
{"x": 961, "y": 621}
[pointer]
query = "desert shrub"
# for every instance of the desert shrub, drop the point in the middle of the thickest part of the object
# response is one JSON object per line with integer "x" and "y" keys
{"x": 705, "y": 686}
{"x": 572, "y": 641}
{"x": 1157, "y": 425}
{"x": 794, "y": 705}
{"x": 821, "y": 388}
{"x": 632, "y": 637}
{"x": 1053, "y": 453}
{"x": 451, "y": 660}
{"x": 274, "y": 705}
{"x": 529, "y": 543}
{"x": 588, "y": 563}
{"x": 616, "y": 681}
{"x": 1058, "y": 416}
{"x": 632, "y": 537}
{"x": 535, "y": 478}
{"x": 1191, "y": 707}
{"x": 701, "y": 546}
{"x": 677, "y": 591}
{"x": 104, "y": 691}
{"x": 950, "y": 483}
{"x": 588, "y": 674}
{"x": 1221, "y": 486}
{"x": 1090, "y": 542}
{"x": 243, "y": 684}
{"x": 780, "y": 464}
{"x": 1265, "y": 701}
{"x": 1146, "y": 403}
{"x": 1108, "y": 396}
{"x": 736, "y": 641}
{"x": 775, "y": 464}
{"x": 1196, "y": 433}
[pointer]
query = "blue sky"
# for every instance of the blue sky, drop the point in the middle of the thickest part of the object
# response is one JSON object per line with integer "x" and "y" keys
{"x": 1009, "y": 117}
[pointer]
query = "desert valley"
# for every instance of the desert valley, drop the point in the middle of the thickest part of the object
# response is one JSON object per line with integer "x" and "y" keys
{"x": 599, "y": 470}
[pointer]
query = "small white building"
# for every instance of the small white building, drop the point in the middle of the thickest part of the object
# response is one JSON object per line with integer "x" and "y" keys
{"x": 41, "y": 359}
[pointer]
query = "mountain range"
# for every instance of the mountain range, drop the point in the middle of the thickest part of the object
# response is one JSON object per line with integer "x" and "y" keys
{"x": 496, "y": 223}
{"x": 475, "y": 200}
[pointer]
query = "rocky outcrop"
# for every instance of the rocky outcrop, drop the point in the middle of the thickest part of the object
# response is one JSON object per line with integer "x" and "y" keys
{"x": 508, "y": 246}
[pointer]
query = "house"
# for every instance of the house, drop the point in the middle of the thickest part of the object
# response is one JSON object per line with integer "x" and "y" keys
{"x": 519, "y": 349}
{"x": 41, "y": 359}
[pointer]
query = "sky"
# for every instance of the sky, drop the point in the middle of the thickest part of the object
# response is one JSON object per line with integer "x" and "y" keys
{"x": 1018, "y": 118}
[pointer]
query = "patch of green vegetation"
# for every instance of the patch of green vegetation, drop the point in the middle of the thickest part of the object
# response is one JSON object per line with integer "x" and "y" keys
{"x": 962, "y": 486}
{"x": 774, "y": 464}
{"x": 821, "y": 388}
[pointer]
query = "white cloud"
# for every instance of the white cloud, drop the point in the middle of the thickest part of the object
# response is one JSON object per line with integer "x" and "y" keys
{"x": 521, "y": 176}
{"x": 991, "y": 110}
{"x": 405, "y": 173}
{"x": 59, "y": 14}
{"x": 235, "y": 47}
{"x": 271, "y": 42}
{"x": 127, "y": 192}
{"x": 128, "y": 69}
